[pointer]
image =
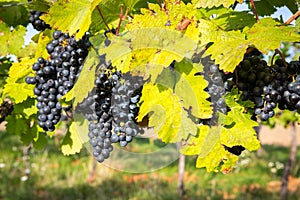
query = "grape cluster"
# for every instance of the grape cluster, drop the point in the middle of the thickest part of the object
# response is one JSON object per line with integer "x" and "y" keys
{"x": 267, "y": 86}
{"x": 100, "y": 120}
{"x": 36, "y": 22}
{"x": 215, "y": 85}
{"x": 55, "y": 77}
{"x": 111, "y": 108}
{"x": 126, "y": 95}
{"x": 215, "y": 88}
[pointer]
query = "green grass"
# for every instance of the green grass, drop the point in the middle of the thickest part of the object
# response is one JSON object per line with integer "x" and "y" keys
{"x": 54, "y": 176}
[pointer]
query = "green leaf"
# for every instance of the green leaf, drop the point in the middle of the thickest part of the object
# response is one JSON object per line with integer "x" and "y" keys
{"x": 233, "y": 99}
{"x": 239, "y": 128}
{"x": 213, "y": 3}
{"x": 11, "y": 41}
{"x": 241, "y": 132}
{"x": 40, "y": 5}
{"x": 43, "y": 39}
{"x": 110, "y": 11}
{"x": 268, "y": 34}
{"x": 71, "y": 143}
{"x": 138, "y": 52}
{"x": 16, "y": 125}
{"x": 235, "y": 128}
{"x": 216, "y": 157}
{"x": 27, "y": 107}
{"x": 228, "y": 48}
{"x": 194, "y": 145}
{"x": 71, "y": 16}
{"x": 40, "y": 141}
{"x": 166, "y": 115}
{"x": 268, "y": 7}
{"x": 15, "y": 87}
{"x": 211, "y": 153}
{"x": 232, "y": 20}
{"x": 15, "y": 14}
{"x": 188, "y": 87}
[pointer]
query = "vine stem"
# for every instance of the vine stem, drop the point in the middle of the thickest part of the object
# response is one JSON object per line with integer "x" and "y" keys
{"x": 122, "y": 17}
{"x": 102, "y": 17}
{"x": 281, "y": 55}
{"x": 288, "y": 167}
{"x": 293, "y": 17}
{"x": 181, "y": 164}
{"x": 254, "y": 9}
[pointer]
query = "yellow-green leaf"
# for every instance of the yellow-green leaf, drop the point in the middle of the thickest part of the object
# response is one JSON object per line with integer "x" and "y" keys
{"x": 71, "y": 16}
{"x": 268, "y": 35}
{"x": 15, "y": 86}
{"x": 228, "y": 48}
{"x": 213, "y": 3}
{"x": 166, "y": 115}
{"x": 71, "y": 143}
{"x": 85, "y": 82}
{"x": 11, "y": 42}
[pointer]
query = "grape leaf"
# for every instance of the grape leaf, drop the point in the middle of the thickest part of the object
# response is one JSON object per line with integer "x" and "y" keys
{"x": 85, "y": 81}
{"x": 27, "y": 107}
{"x": 71, "y": 143}
{"x": 217, "y": 157}
{"x": 235, "y": 128}
{"x": 193, "y": 146}
{"x": 213, "y": 3}
{"x": 11, "y": 41}
{"x": 268, "y": 7}
{"x": 139, "y": 52}
{"x": 15, "y": 14}
{"x": 71, "y": 16}
{"x": 268, "y": 34}
{"x": 211, "y": 153}
{"x": 241, "y": 128}
{"x": 40, "y": 5}
{"x": 43, "y": 39}
{"x": 40, "y": 141}
{"x": 232, "y": 20}
{"x": 241, "y": 133}
{"x": 188, "y": 87}
{"x": 15, "y": 86}
{"x": 228, "y": 48}
{"x": 111, "y": 12}
{"x": 16, "y": 125}
{"x": 166, "y": 115}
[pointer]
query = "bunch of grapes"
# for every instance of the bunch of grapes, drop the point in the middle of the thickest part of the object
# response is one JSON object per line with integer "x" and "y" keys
{"x": 56, "y": 76}
{"x": 267, "y": 86}
{"x": 111, "y": 108}
{"x": 126, "y": 95}
{"x": 100, "y": 124}
{"x": 36, "y": 22}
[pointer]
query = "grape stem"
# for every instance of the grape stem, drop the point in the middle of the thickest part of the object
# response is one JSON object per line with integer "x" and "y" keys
{"x": 122, "y": 17}
{"x": 254, "y": 10}
{"x": 102, "y": 17}
{"x": 281, "y": 55}
{"x": 295, "y": 16}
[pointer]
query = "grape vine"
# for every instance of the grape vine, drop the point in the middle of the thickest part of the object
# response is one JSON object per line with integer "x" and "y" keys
{"x": 147, "y": 69}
